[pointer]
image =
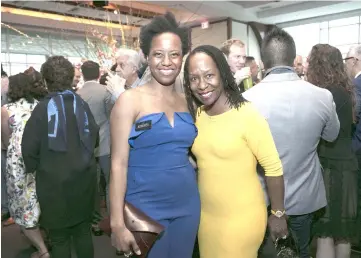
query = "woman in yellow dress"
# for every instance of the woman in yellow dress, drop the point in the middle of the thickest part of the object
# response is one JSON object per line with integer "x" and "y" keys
{"x": 232, "y": 137}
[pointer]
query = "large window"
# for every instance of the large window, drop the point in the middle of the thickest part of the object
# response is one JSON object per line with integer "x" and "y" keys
{"x": 341, "y": 33}
{"x": 19, "y": 52}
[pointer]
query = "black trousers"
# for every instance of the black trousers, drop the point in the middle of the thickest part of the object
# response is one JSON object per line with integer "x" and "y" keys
{"x": 79, "y": 235}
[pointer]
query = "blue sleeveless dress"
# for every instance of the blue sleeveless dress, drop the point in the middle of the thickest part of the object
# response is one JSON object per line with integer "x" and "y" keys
{"x": 162, "y": 182}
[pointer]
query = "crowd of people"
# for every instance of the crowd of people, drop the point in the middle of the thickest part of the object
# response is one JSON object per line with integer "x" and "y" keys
{"x": 228, "y": 169}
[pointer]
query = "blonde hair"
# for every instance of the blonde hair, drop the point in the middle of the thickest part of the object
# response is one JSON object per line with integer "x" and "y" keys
{"x": 226, "y": 46}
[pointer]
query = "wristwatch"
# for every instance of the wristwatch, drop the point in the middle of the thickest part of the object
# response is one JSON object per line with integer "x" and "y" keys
{"x": 278, "y": 214}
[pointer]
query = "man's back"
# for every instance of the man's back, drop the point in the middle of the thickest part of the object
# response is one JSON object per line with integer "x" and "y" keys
{"x": 100, "y": 103}
{"x": 299, "y": 114}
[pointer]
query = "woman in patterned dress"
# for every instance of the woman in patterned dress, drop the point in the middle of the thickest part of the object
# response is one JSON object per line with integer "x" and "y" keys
{"x": 24, "y": 90}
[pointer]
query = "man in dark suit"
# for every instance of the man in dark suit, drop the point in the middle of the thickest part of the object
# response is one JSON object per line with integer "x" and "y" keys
{"x": 353, "y": 68}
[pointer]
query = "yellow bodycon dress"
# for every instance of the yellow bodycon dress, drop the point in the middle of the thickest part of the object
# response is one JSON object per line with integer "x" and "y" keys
{"x": 233, "y": 209}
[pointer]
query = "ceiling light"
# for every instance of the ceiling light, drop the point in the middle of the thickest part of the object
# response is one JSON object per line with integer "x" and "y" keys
{"x": 57, "y": 17}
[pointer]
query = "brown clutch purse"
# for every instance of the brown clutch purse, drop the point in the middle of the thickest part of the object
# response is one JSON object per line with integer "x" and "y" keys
{"x": 145, "y": 229}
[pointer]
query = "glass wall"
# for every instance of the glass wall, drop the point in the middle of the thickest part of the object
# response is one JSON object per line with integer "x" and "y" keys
{"x": 20, "y": 51}
{"x": 341, "y": 33}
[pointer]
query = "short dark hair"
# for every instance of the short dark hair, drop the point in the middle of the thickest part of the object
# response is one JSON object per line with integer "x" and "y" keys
{"x": 103, "y": 79}
{"x": 28, "y": 86}
{"x": 278, "y": 48}
{"x": 3, "y": 73}
{"x": 249, "y": 59}
{"x": 58, "y": 73}
{"x": 90, "y": 70}
{"x": 233, "y": 93}
{"x": 162, "y": 24}
{"x": 114, "y": 67}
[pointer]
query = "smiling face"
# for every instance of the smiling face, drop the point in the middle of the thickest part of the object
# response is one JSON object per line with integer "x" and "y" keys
{"x": 205, "y": 80}
{"x": 165, "y": 58}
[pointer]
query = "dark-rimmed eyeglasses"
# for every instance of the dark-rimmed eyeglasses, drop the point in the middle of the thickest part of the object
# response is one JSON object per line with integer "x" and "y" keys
{"x": 350, "y": 57}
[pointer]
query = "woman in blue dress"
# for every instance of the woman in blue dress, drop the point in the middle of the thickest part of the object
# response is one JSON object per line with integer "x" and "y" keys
{"x": 151, "y": 133}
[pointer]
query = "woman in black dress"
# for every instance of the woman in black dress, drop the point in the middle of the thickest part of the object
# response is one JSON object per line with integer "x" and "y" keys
{"x": 336, "y": 225}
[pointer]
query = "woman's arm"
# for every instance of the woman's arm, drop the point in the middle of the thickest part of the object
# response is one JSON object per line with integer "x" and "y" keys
{"x": 121, "y": 122}
{"x": 261, "y": 142}
{"x": 5, "y": 128}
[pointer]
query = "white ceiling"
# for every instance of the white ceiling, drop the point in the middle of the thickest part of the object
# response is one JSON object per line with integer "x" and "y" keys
{"x": 80, "y": 11}
{"x": 270, "y": 12}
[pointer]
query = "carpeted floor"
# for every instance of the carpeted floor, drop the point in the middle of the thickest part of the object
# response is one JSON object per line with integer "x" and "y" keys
{"x": 15, "y": 245}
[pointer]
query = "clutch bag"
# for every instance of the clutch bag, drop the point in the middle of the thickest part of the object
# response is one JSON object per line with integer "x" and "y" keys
{"x": 145, "y": 230}
{"x": 287, "y": 247}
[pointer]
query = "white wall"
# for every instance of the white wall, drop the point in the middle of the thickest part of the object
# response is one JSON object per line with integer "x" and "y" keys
{"x": 215, "y": 35}
{"x": 239, "y": 31}
{"x": 253, "y": 46}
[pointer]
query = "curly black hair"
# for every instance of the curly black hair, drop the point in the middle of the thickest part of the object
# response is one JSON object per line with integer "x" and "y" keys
{"x": 233, "y": 93}
{"x": 26, "y": 85}
{"x": 58, "y": 73}
{"x": 162, "y": 24}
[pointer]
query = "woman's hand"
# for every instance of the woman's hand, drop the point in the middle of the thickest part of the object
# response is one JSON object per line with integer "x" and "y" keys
{"x": 278, "y": 227}
{"x": 124, "y": 241}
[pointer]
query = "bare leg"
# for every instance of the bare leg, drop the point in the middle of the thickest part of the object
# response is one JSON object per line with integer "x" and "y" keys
{"x": 35, "y": 237}
{"x": 343, "y": 249}
{"x": 325, "y": 248}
